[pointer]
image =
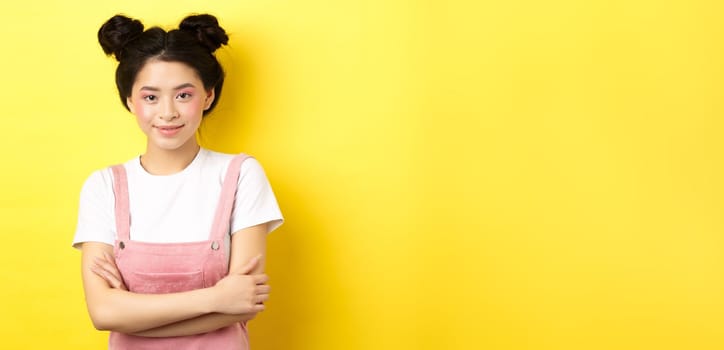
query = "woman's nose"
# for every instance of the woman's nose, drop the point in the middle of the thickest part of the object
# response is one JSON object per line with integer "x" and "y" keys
{"x": 168, "y": 112}
{"x": 168, "y": 116}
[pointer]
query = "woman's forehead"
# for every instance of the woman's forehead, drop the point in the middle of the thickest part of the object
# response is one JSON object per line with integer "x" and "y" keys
{"x": 167, "y": 75}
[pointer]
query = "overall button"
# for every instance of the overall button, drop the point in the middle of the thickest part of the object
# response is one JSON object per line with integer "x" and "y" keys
{"x": 121, "y": 245}
{"x": 215, "y": 245}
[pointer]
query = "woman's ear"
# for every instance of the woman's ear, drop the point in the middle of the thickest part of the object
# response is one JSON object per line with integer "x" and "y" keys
{"x": 210, "y": 95}
{"x": 129, "y": 104}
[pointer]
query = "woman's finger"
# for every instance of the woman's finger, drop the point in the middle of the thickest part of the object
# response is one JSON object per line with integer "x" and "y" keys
{"x": 250, "y": 265}
{"x": 109, "y": 267}
{"x": 103, "y": 264}
{"x": 103, "y": 274}
{"x": 113, "y": 281}
{"x": 260, "y": 278}
{"x": 112, "y": 261}
{"x": 260, "y": 298}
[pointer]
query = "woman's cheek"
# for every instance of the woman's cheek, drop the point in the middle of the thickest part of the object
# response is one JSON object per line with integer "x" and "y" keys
{"x": 193, "y": 107}
{"x": 195, "y": 104}
{"x": 141, "y": 109}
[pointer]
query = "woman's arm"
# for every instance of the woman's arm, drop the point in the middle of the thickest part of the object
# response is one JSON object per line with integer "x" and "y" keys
{"x": 122, "y": 311}
{"x": 202, "y": 324}
{"x": 246, "y": 245}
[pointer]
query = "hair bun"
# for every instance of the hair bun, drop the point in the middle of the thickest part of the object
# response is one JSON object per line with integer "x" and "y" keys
{"x": 206, "y": 30}
{"x": 117, "y": 32}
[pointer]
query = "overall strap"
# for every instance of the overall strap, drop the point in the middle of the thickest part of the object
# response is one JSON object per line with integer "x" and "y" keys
{"x": 222, "y": 219}
{"x": 120, "y": 190}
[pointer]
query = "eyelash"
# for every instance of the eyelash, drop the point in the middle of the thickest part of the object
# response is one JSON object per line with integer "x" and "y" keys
{"x": 182, "y": 96}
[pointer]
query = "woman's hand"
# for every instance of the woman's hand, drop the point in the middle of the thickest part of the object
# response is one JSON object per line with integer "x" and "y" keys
{"x": 106, "y": 268}
{"x": 241, "y": 292}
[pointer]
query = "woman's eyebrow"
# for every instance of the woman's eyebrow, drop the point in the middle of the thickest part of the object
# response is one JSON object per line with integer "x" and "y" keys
{"x": 153, "y": 88}
{"x": 183, "y": 86}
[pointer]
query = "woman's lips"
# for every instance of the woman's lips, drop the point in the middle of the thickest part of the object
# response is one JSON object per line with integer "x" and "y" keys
{"x": 169, "y": 130}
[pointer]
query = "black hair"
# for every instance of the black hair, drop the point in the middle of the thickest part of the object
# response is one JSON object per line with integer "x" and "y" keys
{"x": 193, "y": 43}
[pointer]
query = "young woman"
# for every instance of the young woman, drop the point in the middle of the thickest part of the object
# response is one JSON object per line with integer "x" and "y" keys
{"x": 173, "y": 241}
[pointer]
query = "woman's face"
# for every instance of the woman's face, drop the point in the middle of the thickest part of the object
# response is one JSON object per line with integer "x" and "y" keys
{"x": 168, "y": 99}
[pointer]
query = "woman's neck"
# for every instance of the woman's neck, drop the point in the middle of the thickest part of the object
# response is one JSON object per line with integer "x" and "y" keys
{"x": 158, "y": 161}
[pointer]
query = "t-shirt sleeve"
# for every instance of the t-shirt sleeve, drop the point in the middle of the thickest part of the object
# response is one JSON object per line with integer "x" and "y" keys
{"x": 96, "y": 219}
{"x": 255, "y": 202}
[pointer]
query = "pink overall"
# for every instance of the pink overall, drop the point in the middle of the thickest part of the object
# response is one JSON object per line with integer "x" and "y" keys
{"x": 156, "y": 268}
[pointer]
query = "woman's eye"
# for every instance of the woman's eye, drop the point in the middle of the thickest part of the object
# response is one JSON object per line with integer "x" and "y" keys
{"x": 184, "y": 95}
{"x": 149, "y": 98}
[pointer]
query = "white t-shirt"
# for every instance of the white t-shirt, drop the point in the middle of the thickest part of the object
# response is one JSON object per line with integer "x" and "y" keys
{"x": 178, "y": 207}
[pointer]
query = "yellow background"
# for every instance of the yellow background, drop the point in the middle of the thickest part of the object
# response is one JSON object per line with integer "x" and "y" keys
{"x": 454, "y": 174}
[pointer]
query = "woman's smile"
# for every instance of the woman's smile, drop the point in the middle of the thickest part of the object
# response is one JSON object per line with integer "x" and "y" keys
{"x": 169, "y": 130}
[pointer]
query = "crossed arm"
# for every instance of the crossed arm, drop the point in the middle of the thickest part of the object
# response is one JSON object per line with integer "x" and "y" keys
{"x": 237, "y": 297}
